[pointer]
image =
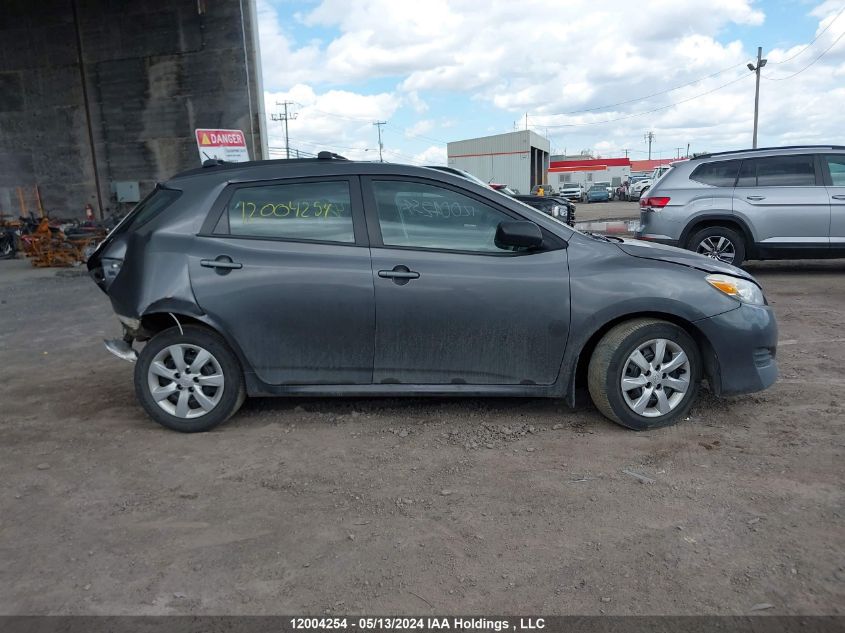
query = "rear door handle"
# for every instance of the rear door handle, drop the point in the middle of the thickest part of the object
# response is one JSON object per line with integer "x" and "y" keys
{"x": 213, "y": 263}
{"x": 755, "y": 197}
{"x": 398, "y": 274}
{"x": 838, "y": 197}
{"x": 223, "y": 264}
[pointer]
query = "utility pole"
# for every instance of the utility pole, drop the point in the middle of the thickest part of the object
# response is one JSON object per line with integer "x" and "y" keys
{"x": 626, "y": 152}
{"x": 678, "y": 152}
{"x": 756, "y": 70}
{"x": 687, "y": 150}
{"x": 378, "y": 124}
{"x": 285, "y": 117}
{"x": 649, "y": 138}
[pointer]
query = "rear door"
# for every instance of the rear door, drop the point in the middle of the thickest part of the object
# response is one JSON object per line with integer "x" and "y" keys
{"x": 284, "y": 267}
{"x": 451, "y": 306}
{"x": 784, "y": 202}
{"x": 833, "y": 166}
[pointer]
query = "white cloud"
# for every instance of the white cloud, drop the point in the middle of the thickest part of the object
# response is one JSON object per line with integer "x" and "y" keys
{"x": 420, "y": 127}
{"x": 540, "y": 57}
{"x": 432, "y": 155}
{"x": 335, "y": 120}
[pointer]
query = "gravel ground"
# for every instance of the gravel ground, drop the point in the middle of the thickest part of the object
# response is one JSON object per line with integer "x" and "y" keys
{"x": 414, "y": 506}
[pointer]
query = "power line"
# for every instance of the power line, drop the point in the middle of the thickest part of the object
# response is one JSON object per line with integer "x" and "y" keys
{"x": 822, "y": 54}
{"x": 644, "y": 112}
{"x": 364, "y": 120}
{"x": 644, "y": 98}
{"x": 822, "y": 32}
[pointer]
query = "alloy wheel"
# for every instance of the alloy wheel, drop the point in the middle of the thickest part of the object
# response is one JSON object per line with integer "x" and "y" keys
{"x": 655, "y": 378}
{"x": 718, "y": 247}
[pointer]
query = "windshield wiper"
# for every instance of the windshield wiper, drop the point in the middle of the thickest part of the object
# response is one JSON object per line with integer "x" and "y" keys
{"x": 603, "y": 237}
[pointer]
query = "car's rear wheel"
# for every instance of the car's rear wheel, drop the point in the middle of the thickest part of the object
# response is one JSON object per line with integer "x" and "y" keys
{"x": 719, "y": 242}
{"x": 644, "y": 374}
{"x": 189, "y": 380}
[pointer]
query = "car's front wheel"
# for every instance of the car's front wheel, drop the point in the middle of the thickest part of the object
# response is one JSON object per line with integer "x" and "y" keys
{"x": 644, "y": 373}
{"x": 188, "y": 379}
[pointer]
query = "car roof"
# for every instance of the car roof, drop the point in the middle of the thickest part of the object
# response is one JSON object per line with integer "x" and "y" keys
{"x": 333, "y": 165}
{"x": 785, "y": 149}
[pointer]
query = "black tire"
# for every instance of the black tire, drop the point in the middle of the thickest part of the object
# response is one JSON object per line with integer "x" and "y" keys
{"x": 7, "y": 246}
{"x": 234, "y": 392}
{"x": 737, "y": 241}
{"x": 607, "y": 365}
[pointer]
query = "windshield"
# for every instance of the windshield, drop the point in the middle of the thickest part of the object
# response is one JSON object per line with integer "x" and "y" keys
{"x": 475, "y": 179}
{"x": 545, "y": 215}
{"x": 571, "y": 185}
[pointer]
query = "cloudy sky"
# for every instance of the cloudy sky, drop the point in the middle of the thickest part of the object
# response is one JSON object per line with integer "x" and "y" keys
{"x": 589, "y": 75}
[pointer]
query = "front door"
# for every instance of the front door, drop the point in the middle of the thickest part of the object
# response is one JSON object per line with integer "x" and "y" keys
{"x": 784, "y": 201}
{"x": 451, "y": 306}
{"x": 283, "y": 272}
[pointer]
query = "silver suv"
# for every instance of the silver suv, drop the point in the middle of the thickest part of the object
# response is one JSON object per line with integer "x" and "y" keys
{"x": 772, "y": 203}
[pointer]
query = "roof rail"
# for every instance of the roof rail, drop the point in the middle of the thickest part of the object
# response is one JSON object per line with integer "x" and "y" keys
{"x": 324, "y": 155}
{"x": 764, "y": 149}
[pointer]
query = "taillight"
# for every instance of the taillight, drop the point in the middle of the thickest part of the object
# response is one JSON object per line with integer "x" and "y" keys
{"x": 656, "y": 202}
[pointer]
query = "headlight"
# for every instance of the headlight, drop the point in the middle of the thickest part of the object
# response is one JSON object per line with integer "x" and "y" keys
{"x": 740, "y": 289}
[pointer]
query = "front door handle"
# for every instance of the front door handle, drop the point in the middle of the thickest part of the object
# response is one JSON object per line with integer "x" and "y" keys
{"x": 222, "y": 264}
{"x": 838, "y": 197}
{"x": 400, "y": 274}
{"x": 755, "y": 197}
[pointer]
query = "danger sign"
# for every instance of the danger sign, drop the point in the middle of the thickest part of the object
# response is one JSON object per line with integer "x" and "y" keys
{"x": 228, "y": 145}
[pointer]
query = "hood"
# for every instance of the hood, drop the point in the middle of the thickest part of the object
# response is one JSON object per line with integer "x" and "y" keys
{"x": 663, "y": 253}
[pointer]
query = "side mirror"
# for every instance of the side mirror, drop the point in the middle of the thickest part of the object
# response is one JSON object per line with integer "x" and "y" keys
{"x": 518, "y": 233}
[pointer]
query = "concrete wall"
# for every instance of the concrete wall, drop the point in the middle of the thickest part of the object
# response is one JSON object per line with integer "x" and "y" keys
{"x": 144, "y": 74}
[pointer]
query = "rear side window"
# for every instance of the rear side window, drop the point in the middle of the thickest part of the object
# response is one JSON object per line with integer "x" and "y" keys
{"x": 147, "y": 209}
{"x": 719, "y": 174}
{"x": 836, "y": 165}
{"x": 312, "y": 211}
{"x": 778, "y": 171}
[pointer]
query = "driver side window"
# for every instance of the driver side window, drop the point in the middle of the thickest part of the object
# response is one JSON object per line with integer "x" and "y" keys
{"x": 417, "y": 215}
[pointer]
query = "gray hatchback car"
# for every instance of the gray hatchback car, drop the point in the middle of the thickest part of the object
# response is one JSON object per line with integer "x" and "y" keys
{"x": 773, "y": 203}
{"x": 327, "y": 277}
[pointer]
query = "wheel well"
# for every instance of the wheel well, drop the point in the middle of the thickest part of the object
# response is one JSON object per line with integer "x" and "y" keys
{"x": 708, "y": 356}
{"x": 728, "y": 223}
{"x": 152, "y": 324}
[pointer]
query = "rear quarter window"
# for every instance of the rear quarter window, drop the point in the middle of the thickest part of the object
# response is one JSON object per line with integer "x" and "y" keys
{"x": 149, "y": 208}
{"x": 718, "y": 174}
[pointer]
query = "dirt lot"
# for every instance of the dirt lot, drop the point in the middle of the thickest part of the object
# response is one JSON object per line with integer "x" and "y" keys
{"x": 414, "y": 506}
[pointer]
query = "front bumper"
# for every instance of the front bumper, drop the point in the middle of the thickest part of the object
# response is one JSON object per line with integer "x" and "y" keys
{"x": 744, "y": 345}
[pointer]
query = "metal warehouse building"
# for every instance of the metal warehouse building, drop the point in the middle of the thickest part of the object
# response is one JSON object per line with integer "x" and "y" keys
{"x": 519, "y": 159}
